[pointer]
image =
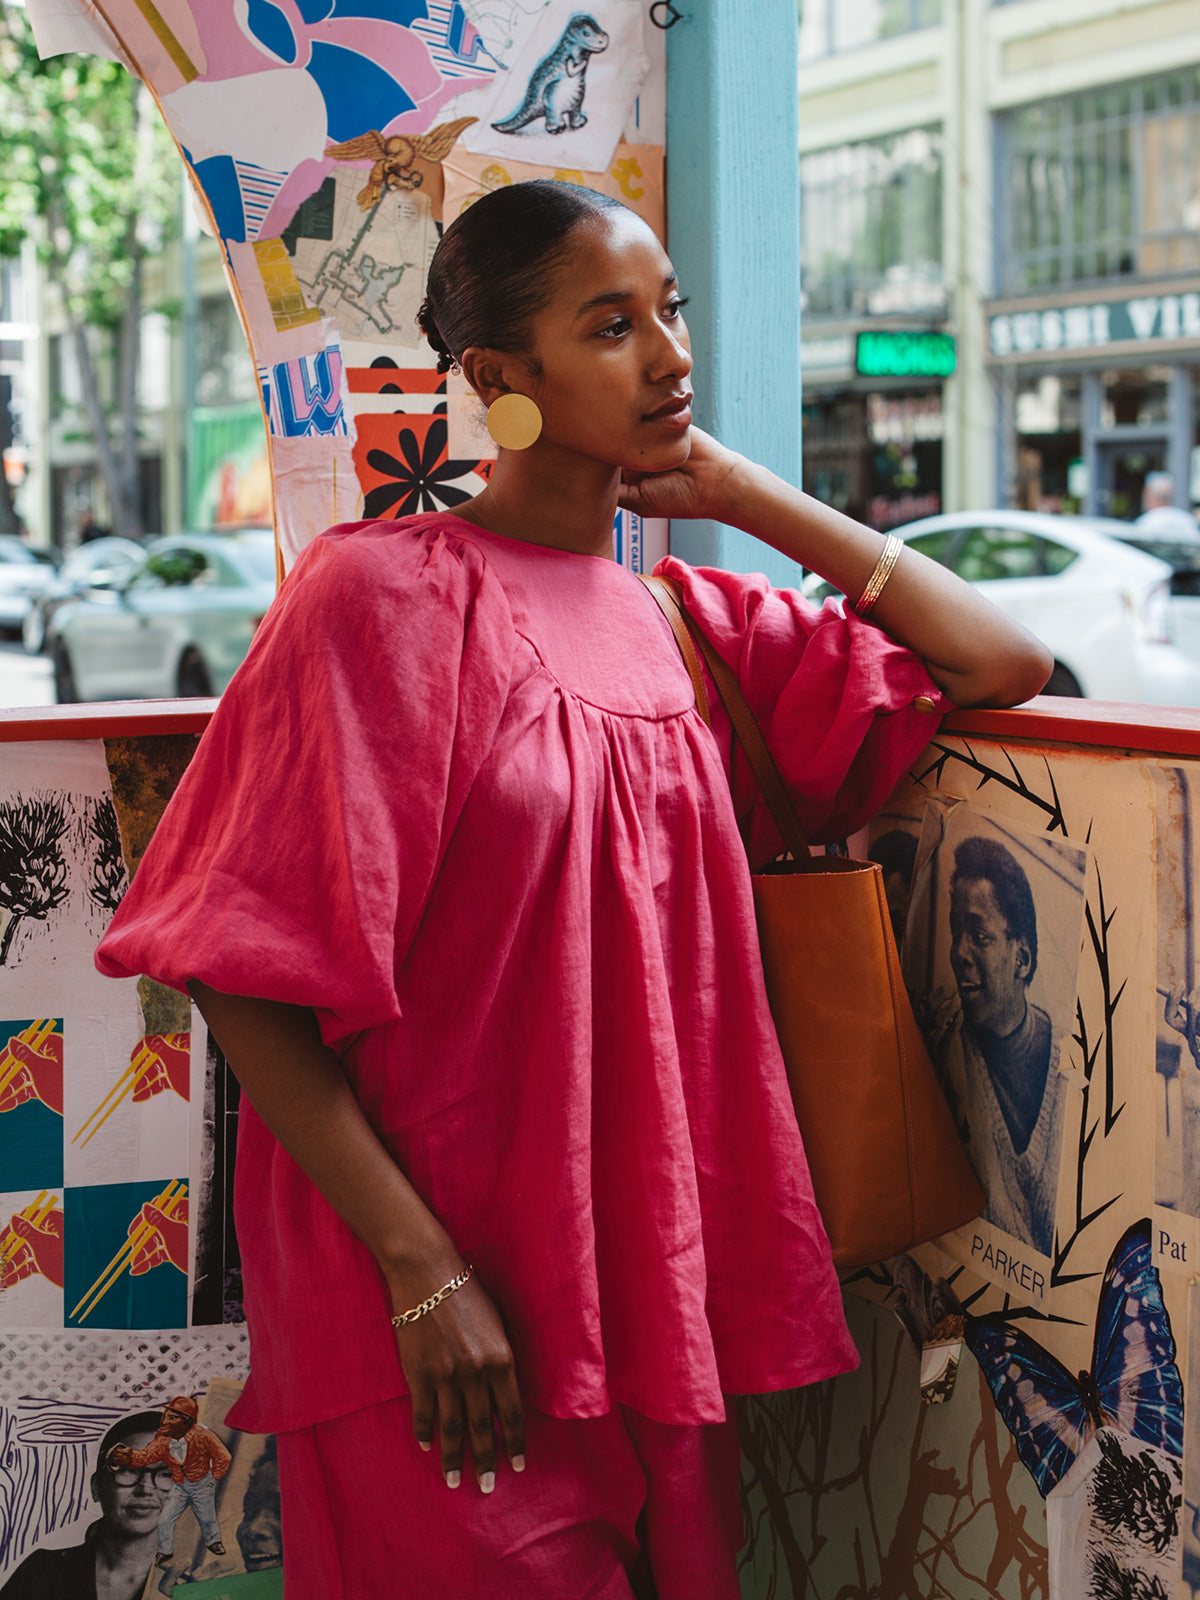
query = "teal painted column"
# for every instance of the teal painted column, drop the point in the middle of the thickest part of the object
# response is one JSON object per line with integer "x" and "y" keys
{"x": 733, "y": 221}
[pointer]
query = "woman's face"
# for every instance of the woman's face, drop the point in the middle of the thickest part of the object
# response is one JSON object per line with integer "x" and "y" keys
{"x": 614, "y": 352}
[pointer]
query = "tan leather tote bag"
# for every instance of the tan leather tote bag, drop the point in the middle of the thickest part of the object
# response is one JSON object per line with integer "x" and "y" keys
{"x": 888, "y": 1168}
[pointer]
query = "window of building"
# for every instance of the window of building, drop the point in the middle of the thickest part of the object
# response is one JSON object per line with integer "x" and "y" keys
{"x": 1139, "y": 398}
{"x": 10, "y": 291}
{"x": 827, "y": 26}
{"x": 154, "y": 362}
{"x": 1103, "y": 184}
{"x": 225, "y": 372}
{"x": 878, "y": 456}
{"x": 1049, "y": 428}
{"x": 871, "y": 227}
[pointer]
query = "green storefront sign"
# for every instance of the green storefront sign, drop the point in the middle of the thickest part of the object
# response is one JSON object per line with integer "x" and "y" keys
{"x": 904, "y": 353}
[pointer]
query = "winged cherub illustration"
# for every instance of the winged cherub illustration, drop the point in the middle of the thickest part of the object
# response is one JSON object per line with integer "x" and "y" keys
{"x": 395, "y": 158}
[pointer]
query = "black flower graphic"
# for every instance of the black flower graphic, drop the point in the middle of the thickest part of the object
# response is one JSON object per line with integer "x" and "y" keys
{"x": 417, "y": 482}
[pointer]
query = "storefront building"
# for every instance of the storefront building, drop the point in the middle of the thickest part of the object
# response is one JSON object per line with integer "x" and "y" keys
{"x": 1094, "y": 342}
{"x": 873, "y": 429}
{"x": 1023, "y": 175}
{"x": 876, "y": 350}
{"x": 1096, "y": 394}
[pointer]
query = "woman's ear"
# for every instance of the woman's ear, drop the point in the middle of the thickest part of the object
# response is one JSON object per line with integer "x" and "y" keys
{"x": 485, "y": 371}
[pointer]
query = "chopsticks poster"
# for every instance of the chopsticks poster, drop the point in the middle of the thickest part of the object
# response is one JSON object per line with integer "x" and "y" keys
{"x": 31, "y": 1258}
{"x": 158, "y": 1062}
{"x": 31, "y": 1103}
{"x": 127, "y": 1255}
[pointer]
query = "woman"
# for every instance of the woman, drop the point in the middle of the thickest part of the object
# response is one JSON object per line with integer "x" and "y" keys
{"x": 456, "y": 880}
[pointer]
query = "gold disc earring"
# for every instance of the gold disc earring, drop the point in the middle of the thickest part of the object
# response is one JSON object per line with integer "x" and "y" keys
{"x": 514, "y": 421}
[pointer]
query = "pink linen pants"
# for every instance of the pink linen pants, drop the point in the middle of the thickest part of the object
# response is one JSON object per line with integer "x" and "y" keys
{"x": 602, "y": 1501}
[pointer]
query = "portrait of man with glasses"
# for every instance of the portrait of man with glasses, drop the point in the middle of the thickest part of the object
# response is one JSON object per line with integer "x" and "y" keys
{"x": 117, "y": 1552}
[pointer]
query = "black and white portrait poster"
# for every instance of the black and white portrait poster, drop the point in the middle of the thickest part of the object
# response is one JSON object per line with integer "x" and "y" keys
{"x": 1177, "y": 1019}
{"x": 991, "y": 959}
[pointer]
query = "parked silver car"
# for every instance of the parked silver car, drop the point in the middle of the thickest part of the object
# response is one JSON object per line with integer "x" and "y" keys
{"x": 99, "y": 564}
{"x": 180, "y": 625}
{"x": 24, "y": 573}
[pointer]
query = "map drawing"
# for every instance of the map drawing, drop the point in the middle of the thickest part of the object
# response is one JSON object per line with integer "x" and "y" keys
{"x": 369, "y": 270}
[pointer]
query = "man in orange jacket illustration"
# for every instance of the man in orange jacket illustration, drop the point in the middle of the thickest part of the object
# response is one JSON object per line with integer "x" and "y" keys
{"x": 197, "y": 1460}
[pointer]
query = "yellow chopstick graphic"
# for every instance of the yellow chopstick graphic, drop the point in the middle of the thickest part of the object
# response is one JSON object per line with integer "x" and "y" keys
{"x": 34, "y": 1035}
{"x": 36, "y": 1212}
{"x": 120, "y": 1089}
{"x": 166, "y": 1202}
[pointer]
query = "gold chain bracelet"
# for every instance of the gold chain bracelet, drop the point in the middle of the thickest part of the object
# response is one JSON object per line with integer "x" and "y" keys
{"x": 444, "y": 1293}
{"x": 883, "y": 571}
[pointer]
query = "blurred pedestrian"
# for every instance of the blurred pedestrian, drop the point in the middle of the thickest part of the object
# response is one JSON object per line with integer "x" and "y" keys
{"x": 1160, "y": 519}
{"x": 87, "y": 528}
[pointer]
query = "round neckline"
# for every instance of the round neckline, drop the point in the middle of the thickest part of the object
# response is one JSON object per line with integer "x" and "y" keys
{"x": 533, "y": 544}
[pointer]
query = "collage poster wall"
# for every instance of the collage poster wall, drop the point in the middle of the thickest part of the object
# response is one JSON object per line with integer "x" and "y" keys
{"x": 1044, "y": 898}
{"x": 112, "y": 1193}
{"x": 327, "y": 146}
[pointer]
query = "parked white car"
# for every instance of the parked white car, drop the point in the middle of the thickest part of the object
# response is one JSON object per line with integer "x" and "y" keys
{"x": 181, "y": 625}
{"x": 1102, "y": 607}
{"x": 24, "y": 574}
{"x": 1184, "y": 562}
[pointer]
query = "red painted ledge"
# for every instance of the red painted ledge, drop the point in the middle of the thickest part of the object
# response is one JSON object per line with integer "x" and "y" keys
{"x": 105, "y": 719}
{"x": 1107, "y": 724}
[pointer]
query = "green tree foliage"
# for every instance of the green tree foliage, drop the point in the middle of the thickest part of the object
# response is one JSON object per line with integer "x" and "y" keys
{"x": 89, "y": 172}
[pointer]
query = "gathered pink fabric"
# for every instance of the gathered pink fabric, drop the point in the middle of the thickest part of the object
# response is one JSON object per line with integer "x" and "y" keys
{"x": 458, "y": 799}
{"x": 602, "y": 1503}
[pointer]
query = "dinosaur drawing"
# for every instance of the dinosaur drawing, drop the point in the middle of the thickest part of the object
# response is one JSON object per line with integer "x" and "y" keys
{"x": 558, "y": 82}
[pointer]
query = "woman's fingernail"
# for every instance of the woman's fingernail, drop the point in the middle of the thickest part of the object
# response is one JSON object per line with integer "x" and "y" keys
{"x": 487, "y": 1481}
{"x": 425, "y": 1444}
{"x": 518, "y": 1463}
{"x": 453, "y": 1479}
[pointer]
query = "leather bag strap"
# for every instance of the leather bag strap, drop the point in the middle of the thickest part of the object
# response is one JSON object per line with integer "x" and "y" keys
{"x": 667, "y": 595}
{"x": 745, "y": 726}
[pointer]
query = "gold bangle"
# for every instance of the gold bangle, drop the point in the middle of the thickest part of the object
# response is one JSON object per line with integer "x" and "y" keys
{"x": 444, "y": 1293}
{"x": 883, "y": 571}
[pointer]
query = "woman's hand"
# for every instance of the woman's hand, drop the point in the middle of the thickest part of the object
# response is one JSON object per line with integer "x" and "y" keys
{"x": 459, "y": 1366}
{"x": 456, "y": 1358}
{"x": 701, "y": 487}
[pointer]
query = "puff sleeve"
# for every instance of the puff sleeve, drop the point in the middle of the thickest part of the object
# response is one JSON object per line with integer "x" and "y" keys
{"x": 296, "y": 857}
{"x": 843, "y": 707}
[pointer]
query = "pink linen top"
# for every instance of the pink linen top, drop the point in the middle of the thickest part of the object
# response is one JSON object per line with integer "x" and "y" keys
{"x": 459, "y": 800}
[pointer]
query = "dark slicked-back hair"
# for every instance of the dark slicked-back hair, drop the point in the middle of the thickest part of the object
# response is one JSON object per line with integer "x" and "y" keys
{"x": 499, "y": 262}
{"x": 977, "y": 858}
